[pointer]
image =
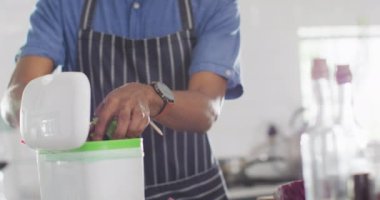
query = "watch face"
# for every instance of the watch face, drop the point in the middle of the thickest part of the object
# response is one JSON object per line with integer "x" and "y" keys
{"x": 166, "y": 92}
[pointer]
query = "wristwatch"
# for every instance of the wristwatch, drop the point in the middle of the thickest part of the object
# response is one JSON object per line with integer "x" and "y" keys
{"x": 165, "y": 93}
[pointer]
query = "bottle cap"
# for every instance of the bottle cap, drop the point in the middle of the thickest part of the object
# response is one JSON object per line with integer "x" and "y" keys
{"x": 343, "y": 74}
{"x": 319, "y": 69}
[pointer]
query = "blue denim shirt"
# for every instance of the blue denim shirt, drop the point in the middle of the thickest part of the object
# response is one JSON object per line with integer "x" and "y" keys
{"x": 55, "y": 25}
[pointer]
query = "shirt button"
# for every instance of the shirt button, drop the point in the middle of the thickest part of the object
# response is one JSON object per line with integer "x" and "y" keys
{"x": 136, "y": 5}
{"x": 228, "y": 73}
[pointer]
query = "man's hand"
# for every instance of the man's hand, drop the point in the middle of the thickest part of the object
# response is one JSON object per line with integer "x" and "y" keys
{"x": 195, "y": 109}
{"x": 131, "y": 105}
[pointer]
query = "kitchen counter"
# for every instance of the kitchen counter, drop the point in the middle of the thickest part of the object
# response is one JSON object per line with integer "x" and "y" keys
{"x": 249, "y": 193}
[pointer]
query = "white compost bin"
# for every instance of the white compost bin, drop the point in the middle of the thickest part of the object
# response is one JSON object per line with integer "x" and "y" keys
{"x": 99, "y": 170}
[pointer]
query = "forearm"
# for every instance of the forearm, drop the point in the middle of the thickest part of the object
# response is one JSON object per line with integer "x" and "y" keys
{"x": 10, "y": 105}
{"x": 192, "y": 111}
{"x": 198, "y": 107}
{"x": 134, "y": 104}
{"x": 27, "y": 69}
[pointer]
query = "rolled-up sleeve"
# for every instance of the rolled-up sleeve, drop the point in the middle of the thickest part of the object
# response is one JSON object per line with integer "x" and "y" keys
{"x": 45, "y": 35}
{"x": 218, "y": 47}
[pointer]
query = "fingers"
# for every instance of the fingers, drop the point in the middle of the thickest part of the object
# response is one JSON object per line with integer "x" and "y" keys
{"x": 105, "y": 113}
{"x": 139, "y": 121}
{"x": 123, "y": 122}
{"x": 131, "y": 121}
{"x": 127, "y": 107}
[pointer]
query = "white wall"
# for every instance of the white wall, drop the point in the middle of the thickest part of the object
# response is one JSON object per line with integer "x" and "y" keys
{"x": 14, "y": 22}
{"x": 269, "y": 60}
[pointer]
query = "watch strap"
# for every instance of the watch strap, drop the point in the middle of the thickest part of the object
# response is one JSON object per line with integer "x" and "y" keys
{"x": 161, "y": 109}
{"x": 164, "y": 99}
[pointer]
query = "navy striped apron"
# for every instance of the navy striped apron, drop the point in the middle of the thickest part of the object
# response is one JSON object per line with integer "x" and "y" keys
{"x": 179, "y": 165}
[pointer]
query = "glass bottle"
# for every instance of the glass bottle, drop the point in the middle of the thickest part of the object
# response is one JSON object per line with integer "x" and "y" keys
{"x": 320, "y": 164}
{"x": 353, "y": 144}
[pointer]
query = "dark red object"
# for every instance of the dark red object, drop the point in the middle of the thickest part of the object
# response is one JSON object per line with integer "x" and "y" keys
{"x": 291, "y": 191}
{"x": 361, "y": 186}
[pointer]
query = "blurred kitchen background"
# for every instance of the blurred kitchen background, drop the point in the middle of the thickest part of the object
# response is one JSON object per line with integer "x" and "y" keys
{"x": 256, "y": 137}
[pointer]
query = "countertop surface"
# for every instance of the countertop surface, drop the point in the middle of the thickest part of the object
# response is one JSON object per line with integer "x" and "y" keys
{"x": 245, "y": 193}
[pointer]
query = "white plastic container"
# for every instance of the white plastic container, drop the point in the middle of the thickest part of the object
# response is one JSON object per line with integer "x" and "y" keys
{"x": 99, "y": 170}
{"x": 55, "y": 111}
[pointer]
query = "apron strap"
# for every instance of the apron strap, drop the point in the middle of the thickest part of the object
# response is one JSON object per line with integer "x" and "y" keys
{"x": 87, "y": 14}
{"x": 186, "y": 14}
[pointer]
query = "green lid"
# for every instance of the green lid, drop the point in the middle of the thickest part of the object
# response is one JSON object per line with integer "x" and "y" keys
{"x": 104, "y": 145}
{"x": 109, "y": 144}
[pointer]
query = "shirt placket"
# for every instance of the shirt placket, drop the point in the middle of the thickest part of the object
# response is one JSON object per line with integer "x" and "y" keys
{"x": 134, "y": 25}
